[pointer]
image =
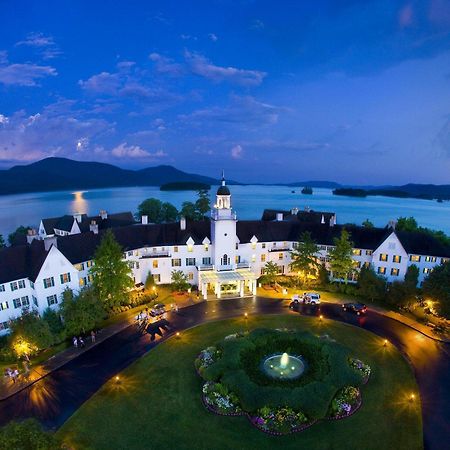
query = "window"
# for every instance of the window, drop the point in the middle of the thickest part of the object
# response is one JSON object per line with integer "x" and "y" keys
{"x": 395, "y": 272}
{"x": 137, "y": 265}
{"x": 357, "y": 264}
{"x": 253, "y": 258}
{"x": 225, "y": 260}
{"x": 430, "y": 259}
{"x": 2, "y": 288}
{"x": 263, "y": 245}
{"x": 237, "y": 259}
{"x": 90, "y": 278}
{"x": 14, "y": 286}
{"x": 31, "y": 285}
{"x": 190, "y": 261}
{"x": 367, "y": 264}
{"x": 444, "y": 260}
{"x": 176, "y": 262}
{"x": 383, "y": 257}
{"x": 35, "y": 302}
{"x": 357, "y": 251}
{"x": 190, "y": 248}
{"x": 155, "y": 264}
{"x": 175, "y": 249}
{"x": 369, "y": 252}
{"x": 65, "y": 278}
{"x": 130, "y": 253}
{"x": 52, "y": 300}
{"x": 280, "y": 255}
{"x": 16, "y": 302}
{"x": 3, "y": 306}
{"x": 253, "y": 245}
{"x": 21, "y": 302}
{"x": 397, "y": 259}
{"x": 49, "y": 282}
{"x": 206, "y": 261}
{"x": 21, "y": 284}
{"x": 4, "y": 325}
{"x": 157, "y": 277}
{"x": 82, "y": 281}
{"x": 263, "y": 257}
{"x": 381, "y": 270}
{"x": 414, "y": 258}
{"x": 206, "y": 246}
{"x": 237, "y": 246}
{"x": 190, "y": 276}
{"x": 79, "y": 267}
{"x": 427, "y": 270}
{"x": 89, "y": 264}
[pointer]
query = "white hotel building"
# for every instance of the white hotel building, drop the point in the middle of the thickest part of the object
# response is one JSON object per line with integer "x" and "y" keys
{"x": 221, "y": 256}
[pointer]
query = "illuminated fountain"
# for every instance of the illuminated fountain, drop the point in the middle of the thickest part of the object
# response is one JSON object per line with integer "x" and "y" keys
{"x": 283, "y": 366}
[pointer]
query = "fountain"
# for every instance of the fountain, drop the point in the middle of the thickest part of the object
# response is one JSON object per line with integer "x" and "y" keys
{"x": 283, "y": 366}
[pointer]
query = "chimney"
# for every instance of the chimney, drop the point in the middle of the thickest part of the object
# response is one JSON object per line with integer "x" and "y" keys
{"x": 103, "y": 214}
{"x": 77, "y": 217}
{"x": 392, "y": 224}
{"x": 93, "y": 227}
{"x": 294, "y": 211}
{"x": 307, "y": 209}
{"x": 49, "y": 241}
{"x": 144, "y": 220}
{"x": 31, "y": 235}
{"x": 322, "y": 221}
{"x": 333, "y": 220}
{"x": 279, "y": 217}
{"x": 182, "y": 223}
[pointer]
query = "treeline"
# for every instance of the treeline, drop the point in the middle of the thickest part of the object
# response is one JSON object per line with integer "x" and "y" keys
{"x": 358, "y": 192}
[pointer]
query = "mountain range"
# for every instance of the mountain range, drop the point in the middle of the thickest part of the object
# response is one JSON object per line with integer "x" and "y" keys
{"x": 52, "y": 174}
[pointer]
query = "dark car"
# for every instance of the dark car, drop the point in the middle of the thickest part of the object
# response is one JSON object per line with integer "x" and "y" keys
{"x": 295, "y": 304}
{"x": 158, "y": 310}
{"x": 357, "y": 308}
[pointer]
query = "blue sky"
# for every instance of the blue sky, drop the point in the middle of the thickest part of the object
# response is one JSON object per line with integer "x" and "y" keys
{"x": 350, "y": 91}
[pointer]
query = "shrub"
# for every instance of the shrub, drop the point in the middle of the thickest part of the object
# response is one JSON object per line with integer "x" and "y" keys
{"x": 27, "y": 435}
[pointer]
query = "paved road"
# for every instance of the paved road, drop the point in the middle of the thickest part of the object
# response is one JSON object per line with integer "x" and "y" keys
{"x": 55, "y": 398}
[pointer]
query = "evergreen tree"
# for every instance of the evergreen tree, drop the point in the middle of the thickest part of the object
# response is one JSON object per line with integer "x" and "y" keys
{"x": 111, "y": 275}
{"x": 2, "y": 242}
{"x": 179, "y": 281}
{"x": 341, "y": 262}
{"x": 370, "y": 285}
{"x": 270, "y": 272}
{"x": 304, "y": 259}
{"x": 15, "y": 235}
{"x": 406, "y": 224}
{"x": 189, "y": 211}
{"x": 168, "y": 212}
{"x": 436, "y": 287}
{"x": 53, "y": 318}
{"x": 157, "y": 211}
{"x": 202, "y": 205}
{"x": 367, "y": 224}
{"x": 81, "y": 313}
{"x": 412, "y": 276}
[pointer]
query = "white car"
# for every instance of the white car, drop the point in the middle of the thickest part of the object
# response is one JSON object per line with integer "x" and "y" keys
{"x": 311, "y": 298}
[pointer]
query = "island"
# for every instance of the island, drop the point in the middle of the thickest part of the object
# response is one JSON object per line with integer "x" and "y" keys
{"x": 355, "y": 192}
{"x": 307, "y": 190}
{"x": 185, "y": 186}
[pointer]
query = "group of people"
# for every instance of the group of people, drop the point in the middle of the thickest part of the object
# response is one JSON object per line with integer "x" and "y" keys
{"x": 143, "y": 319}
{"x": 12, "y": 374}
{"x": 78, "y": 342}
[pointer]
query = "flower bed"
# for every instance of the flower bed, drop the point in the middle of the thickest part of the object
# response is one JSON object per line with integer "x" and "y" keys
{"x": 345, "y": 403}
{"x": 279, "y": 421}
{"x": 219, "y": 400}
{"x": 205, "y": 358}
{"x": 358, "y": 365}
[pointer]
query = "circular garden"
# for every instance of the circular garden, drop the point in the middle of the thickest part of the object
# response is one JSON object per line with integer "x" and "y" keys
{"x": 238, "y": 381}
{"x": 158, "y": 402}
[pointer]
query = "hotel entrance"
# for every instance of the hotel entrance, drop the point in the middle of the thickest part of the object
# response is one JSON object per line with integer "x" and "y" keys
{"x": 230, "y": 283}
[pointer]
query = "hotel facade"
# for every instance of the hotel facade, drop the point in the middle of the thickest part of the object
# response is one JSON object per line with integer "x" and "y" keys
{"x": 222, "y": 255}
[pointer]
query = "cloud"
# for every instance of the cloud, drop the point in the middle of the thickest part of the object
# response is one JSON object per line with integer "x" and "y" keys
{"x": 281, "y": 145}
{"x": 201, "y": 66}
{"x": 213, "y": 37}
{"x": 43, "y": 43}
{"x": 236, "y": 152}
{"x": 23, "y": 74}
{"x": 124, "y": 150}
{"x": 102, "y": 83}
{"x": 3, "y": 119}
{"x": 166, "y": 65}
{"x": 406, "y": 16}
{"x": 257, "y": 24}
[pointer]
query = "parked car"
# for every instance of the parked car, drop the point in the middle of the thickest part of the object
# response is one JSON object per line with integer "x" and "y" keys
{"x": 158, "y": 310}
{"x": 357, "y": 308}
{"x": 295, "y": 304}
{"x": 311, "y": 298}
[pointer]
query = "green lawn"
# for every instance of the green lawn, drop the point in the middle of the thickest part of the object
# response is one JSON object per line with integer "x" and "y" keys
{"x": 157, "y": 402}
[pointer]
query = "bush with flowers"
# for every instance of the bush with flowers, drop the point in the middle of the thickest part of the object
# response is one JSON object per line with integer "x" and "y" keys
{"x": 358, "y": 365}
{"x": 205, "y": 358}
{"x": 282, "y": 420}
{"x": 345, "y": 402}
{"x": 220, "y": 399}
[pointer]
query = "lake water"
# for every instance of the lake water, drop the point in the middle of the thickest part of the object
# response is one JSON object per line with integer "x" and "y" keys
{"x": 248, "y": 201}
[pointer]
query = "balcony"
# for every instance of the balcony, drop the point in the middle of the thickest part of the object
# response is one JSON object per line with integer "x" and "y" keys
{"x": 284, "y": 248}
{"x": 156, "y": 254}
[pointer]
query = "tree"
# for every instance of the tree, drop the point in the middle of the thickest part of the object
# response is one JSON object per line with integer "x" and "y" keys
{"x": 111, "y": 274}
{"x": 2, "y": 242}
{"x": 304, "y": 259}
{"x": 81, "y": 313}
{"x": 27, "y": 434}
{"x": 371, "y": 285}
{"x": 29, "y": 335}
{"x": 436, "y": 287}
{"x": 157, "y": 211}
{"x": 179, "y": 281}
{"x": 367, "y": 224}
{"x": 55, "y": 324}
{"x": 189, "y": 211}
{"x": 149, "y": 282}
{"x": 202, "y": 205}
{"x": 270, "y": 272}
{"x": 341, "y": 262}
{"x": 15, "y": 236}
{"x": 412, "y": 277}
{"x": 406, "y": 224}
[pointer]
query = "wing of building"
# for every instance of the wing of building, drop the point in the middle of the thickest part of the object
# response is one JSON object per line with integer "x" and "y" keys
{"x": 221, "y": 255}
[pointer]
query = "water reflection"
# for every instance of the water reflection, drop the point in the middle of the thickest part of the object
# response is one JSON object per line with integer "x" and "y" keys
{"x": 79, "y": 203}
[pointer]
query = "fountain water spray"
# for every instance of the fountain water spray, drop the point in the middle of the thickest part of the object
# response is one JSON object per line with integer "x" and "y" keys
{"x": 284, "y": 361}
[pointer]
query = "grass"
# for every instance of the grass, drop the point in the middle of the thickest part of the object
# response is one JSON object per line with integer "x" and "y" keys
{"x": 157, "y": 402}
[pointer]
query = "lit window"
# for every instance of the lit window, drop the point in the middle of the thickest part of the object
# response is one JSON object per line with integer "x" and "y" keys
{"x": 263, "y": 257}
{"x": 383, "y": 257}
{"x": 253, "y": 245}
{"x": 444, "y": 260}
{"x": 357, "y": 251}
{"x": 48, "y": 282}
{"x": 82, "y": 282}
{"x": 155, "y": 264}
{"x": 206, "y": 247}
{"x": 253, "y": 258}
{"x": 369, "y": 252}
{"x": 175, "y": 249}
{"x": 176, "y": 262}
{"x": 190, "y": 248}
{"x": 427, "y": 270}
{"x": 4, "y": 305}
{"x": 414, "y": 258}
{"x": 280, "y": 255}
{"x": 430, "y": 259}
{"x": 397, "y": 259}
{"x": 382, "y": 270}
{"x": 157, "y": 277}
{"x": 395, "y": 272}
{"x": 263, "y": 245}
{"x": 190, "y": 276}
{"x": 65, "y": 278}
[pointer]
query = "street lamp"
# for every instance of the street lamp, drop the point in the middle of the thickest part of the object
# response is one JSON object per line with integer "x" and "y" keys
{"x": 385, "y": 343}
{"x": 412, "y": 398}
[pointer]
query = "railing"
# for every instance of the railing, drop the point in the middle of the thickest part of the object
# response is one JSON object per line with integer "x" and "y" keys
{"x": 285, "y": 248}
{"x": 243, "y": 265}
{"x": 224, "y": 267}
{"x": 205, "y": 267}
{"x": 157, "y": 254}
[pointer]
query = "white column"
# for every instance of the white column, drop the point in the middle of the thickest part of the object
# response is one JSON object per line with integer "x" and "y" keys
{"x": 254, "y": 287}
{"x": 218, "y": 290}
{"x": 241, "y": 288}
{"x": 204, "y": 291}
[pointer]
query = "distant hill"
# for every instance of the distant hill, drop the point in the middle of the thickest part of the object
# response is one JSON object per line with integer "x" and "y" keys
{"x": 52, "y": 174}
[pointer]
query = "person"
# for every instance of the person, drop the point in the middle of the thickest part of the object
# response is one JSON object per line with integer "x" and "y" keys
{"x": 15, "y": 375}
{"x": 80, "y": 340}
{"x": 75, "y": 342}
{"x": 92, "y": 336}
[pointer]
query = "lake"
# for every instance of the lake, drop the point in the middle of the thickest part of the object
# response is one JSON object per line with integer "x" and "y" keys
{"x": 248, "y": 201}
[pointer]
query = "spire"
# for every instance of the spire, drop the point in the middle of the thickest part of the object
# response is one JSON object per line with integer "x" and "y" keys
{"x": 223, "y": 177}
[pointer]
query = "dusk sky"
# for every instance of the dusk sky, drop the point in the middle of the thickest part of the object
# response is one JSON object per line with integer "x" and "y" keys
{"x": 349, "y": 91}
